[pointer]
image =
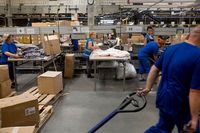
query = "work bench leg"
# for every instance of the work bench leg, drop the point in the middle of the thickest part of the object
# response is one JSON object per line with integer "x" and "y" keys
{"x": 15, "y": 76}
{"x": 124, "y": 78}
{"x": 95, "y": 75}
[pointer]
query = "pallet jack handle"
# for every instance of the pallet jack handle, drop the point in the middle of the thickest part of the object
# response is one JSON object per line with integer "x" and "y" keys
{"x": 130, "y": 99}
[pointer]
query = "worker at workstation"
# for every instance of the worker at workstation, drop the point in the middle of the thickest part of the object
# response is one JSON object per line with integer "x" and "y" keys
{"x": 9, "y": 49}
{"x": 149, "y": 37}
{"x": 178, "y": 95}
{"x": 150, "y": 50}
{"x": 89, "y": 47}
{"x": 113, "y": 40}
{"x": 74, "y": 42}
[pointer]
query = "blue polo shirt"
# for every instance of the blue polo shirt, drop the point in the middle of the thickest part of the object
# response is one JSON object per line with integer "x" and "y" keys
{"x": 149, "y": 50}
{"x": 7, "y": 48}
{"x": 180, "y": 66}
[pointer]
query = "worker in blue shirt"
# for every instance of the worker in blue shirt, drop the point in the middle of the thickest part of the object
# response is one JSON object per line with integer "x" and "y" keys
{"x": 178, "y": 96}
{"x": 150, "y": 50}
{"x": 74, "y": 43}
{"x": 89, "y": 47}
{"x": 149, "y": 37}
{"x": 9, "y": 49}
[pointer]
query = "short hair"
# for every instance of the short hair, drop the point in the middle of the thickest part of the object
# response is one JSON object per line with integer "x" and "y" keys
{"x": 149, "y": 28}
{"x": 91, "y": 33}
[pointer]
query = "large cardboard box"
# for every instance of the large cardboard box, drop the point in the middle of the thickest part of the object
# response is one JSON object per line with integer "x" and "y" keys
{"x": 4, "y": 73}
{"x": 21, "y": 110}
{"x": 137, "y": 38}
{"x": 51, "y": 45}
{"x": 26, "y": 39}
{"x": 50, "y": 82}
{"x": 69, "y": 65}
{"x": 5, "y": 88}
{"x": 26, "y": 129}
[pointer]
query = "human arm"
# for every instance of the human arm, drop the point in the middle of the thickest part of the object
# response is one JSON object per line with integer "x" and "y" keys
{"x": 9, "y": 54}
{"x": 145, "y": 41}
{"x": 91, "y": 47}
{"x": 153, "y": 74}
{"x": 194, "y": 98}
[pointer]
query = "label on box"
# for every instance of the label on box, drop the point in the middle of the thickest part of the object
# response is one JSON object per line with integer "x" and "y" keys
{"x": 30, "y": 111}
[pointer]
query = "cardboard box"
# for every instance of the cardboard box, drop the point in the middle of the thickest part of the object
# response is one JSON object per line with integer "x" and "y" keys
{"x": 50, "y": 82}
{"x": 137, "y": 38}
{"x": 51, "y": 45}
{"x": 5, "y": 88}
{"x": 4, "y": 73}
{"x": 69, "y": 65}
{"x": 26, "y": 39}
{"x": 21, "y": 110}
{"x": 26, "y": 129}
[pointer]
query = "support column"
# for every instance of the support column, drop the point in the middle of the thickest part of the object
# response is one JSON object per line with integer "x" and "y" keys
{"x": 91, "y": 14}
{"x": 9, "y": 13}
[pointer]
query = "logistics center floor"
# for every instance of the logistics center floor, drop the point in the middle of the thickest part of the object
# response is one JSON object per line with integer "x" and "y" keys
{"x": 83, "y": 107}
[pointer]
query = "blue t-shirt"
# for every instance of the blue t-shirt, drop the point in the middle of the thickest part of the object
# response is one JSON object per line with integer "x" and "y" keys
{"x": 148, "y": 38}
{"x": 149, "y": 50}
{"x": 180, "y": 66}
{"x": 7, "y": 48}
{"x": 74, "y": 43}
{"x": 87, "y": 51}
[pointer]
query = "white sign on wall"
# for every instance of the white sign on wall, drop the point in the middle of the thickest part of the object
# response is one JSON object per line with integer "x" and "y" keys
{"x": 30, "y": 31}
{"x": 20, "y": 31}
{"x": 134, "y": 29}
{"x": 85, "y": 29}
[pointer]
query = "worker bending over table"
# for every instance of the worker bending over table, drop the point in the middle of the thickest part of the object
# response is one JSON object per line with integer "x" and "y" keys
{"x": 178, "y": 95}
{"x": 149, "y": 37}
{"x": 89, "y": 47}
{"x": 9, "y": 49}
{"x": 150, "y": 50}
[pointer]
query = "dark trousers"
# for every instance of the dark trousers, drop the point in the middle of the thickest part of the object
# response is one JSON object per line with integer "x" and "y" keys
{"x": 167, "y": 122}
{"x": 89, "y": 66}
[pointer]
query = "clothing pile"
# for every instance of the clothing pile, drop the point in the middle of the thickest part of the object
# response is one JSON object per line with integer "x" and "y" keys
{"x": 111, "y": 52}
{"x": 31, "y": 52}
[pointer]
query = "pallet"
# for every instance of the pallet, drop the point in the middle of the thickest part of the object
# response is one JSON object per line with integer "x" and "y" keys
{"x": 44, "y": 99}
{"x": 45, "y": 114}
{"x": 13, "y": 93}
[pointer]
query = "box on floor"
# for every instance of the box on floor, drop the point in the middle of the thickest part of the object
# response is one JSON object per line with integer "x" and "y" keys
{"x": 50, "y": 82}
{"x": 69, "y": 65}
{"x": 5, "y": 88}
{"x": 21, "y": 110}
{"x": 4, "y": 73}
{"x": 26, "y": 129}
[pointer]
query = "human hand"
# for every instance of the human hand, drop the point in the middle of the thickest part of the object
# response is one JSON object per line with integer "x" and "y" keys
{"x": 143, "y": 92}
{"x": 16, "y": 56}
{"x": 190, "y": 127}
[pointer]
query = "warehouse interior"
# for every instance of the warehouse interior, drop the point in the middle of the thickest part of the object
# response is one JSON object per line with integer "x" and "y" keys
{"x": 75, "y": 61}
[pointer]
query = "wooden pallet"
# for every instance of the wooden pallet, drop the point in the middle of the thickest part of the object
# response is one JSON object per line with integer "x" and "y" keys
{"x": 13, "y": 93}
{"x": 44, "y": 99}
{"x": 45, "y": 114}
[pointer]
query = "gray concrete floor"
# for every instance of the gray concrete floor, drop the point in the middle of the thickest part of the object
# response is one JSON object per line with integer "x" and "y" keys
{"x": 83, "y": 107}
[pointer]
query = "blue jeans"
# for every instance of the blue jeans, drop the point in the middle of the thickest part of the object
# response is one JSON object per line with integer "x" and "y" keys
{"x": 167, "y": 122}
{"x": 144, "y": 66}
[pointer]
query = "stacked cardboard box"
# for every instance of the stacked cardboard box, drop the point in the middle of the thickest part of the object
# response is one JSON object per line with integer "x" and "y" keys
{"x": 50, "y": 82}
{"x": 5, "y": 83}
{"x": 21, "y": 110}
{"x": 137, "y": 38}
{"x": 26, "y": 129}
{"x": 26, "y": 39}
{"x": 69, "y": 65}
{"x": 51, "y": 45}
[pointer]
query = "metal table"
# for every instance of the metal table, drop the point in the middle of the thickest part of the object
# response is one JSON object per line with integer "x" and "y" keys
{"x": 96, "y": 58}
{"x": 45, "y": 61}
